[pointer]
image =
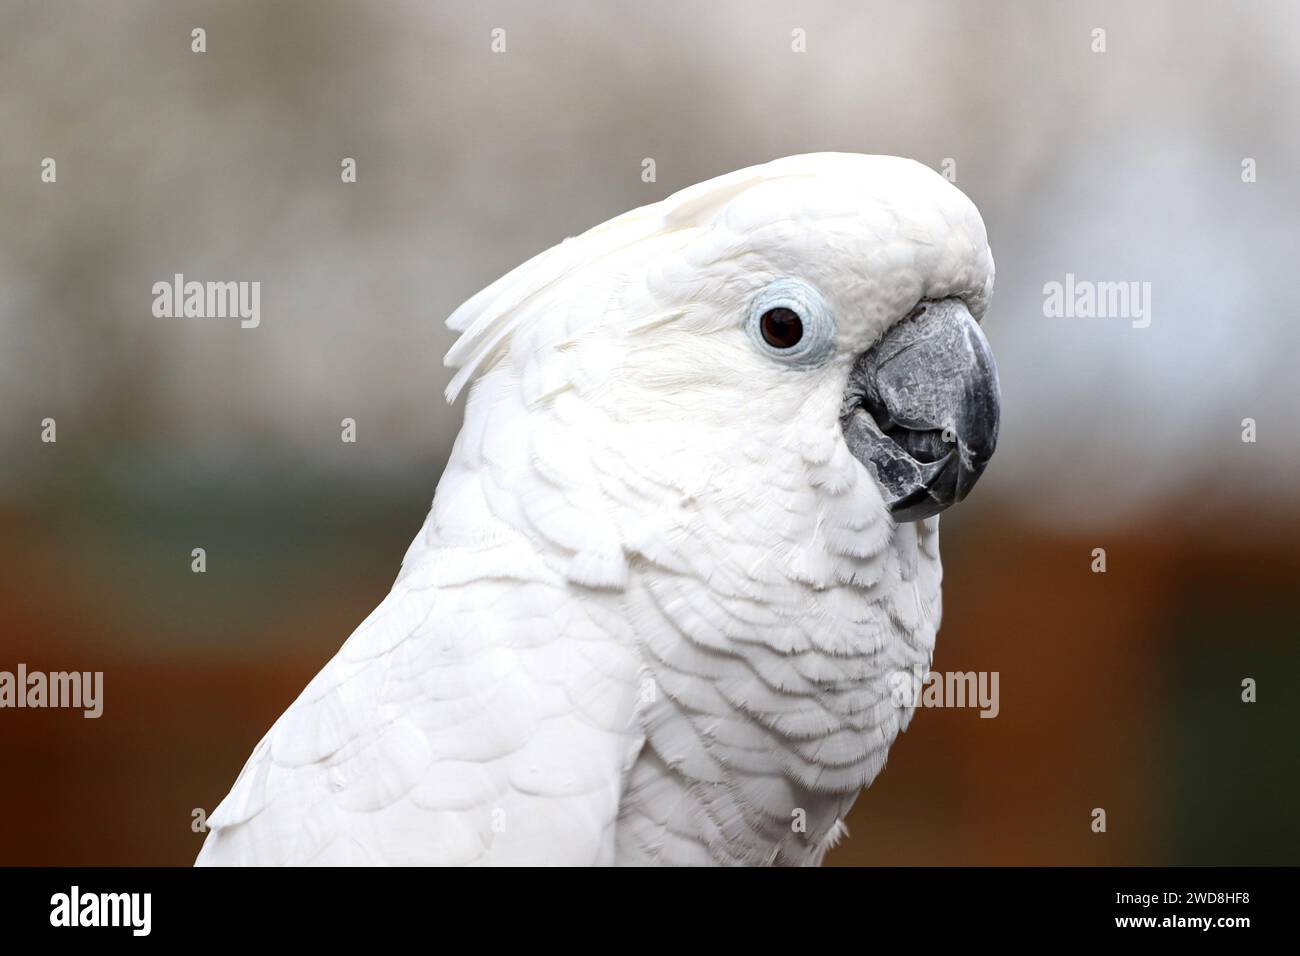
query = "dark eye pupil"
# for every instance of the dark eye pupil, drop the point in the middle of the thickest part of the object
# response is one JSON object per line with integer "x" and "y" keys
{"x": 782, "y": 328}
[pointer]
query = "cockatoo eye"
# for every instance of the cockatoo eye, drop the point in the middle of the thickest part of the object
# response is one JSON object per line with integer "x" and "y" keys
{"x": 781, "y": 328}
{"x": 789, "y": 321}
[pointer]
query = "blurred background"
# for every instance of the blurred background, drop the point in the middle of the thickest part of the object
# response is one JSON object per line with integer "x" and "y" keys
{"x": 1119, "y": 690}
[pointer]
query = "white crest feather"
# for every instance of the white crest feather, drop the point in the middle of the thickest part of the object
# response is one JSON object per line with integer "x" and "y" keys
{"x": 487, "y": 320}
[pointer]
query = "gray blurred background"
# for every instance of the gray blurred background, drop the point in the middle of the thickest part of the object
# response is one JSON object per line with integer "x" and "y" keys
{"x": 1119, "y": 690}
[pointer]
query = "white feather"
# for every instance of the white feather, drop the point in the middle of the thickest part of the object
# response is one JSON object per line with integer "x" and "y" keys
{"x": 654, "y": 608}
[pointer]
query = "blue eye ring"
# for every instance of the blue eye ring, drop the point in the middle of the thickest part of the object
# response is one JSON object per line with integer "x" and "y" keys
{"x": 789, "y": 321}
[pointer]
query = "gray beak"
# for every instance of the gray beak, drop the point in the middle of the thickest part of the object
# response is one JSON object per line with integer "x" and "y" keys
{"x": 921, "y": 409}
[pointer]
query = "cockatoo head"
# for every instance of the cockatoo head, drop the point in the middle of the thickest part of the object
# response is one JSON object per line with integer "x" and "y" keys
{"x": 841, "y": 290}
{"x": 811, "y": 308}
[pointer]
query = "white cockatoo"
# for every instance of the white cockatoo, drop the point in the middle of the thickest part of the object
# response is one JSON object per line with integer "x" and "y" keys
{"x": 686, "y": 539}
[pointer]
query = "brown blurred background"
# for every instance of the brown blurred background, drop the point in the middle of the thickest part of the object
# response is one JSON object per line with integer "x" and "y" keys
{"x": 1118, "y": 690}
